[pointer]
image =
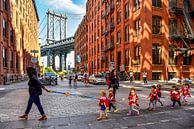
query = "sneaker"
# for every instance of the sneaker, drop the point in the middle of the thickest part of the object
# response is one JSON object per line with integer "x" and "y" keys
{"x": 148, "y": 109}
{"x": 116, "y": 110}
{"x": 172, "y": 107}
{"x": 25, "y": 117}
{"x": 152, "y": 109}
{"x": 42, "y": 118}
{"x": 99, "y": 118}
{"x": 108, "y": 111}
{"x": 128, "y": 114}
{"x": 138, "y": 113}
{"x": 106, "y": 117}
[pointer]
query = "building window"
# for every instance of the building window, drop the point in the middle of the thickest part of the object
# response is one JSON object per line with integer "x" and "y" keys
{"x": 156, "y": 3}
{"x": 11, "y": 59}
{"x": 171, "y": 75}
{"x": 112, "y": 56}
{"x": 187, "y": 58}
{"x": 127, "y": 11}
{"x": 137, "y": 27}
{"x": 172, "y": 56}
{"x": 5, "y": 4}
{"x": 127, "y": 54}
{"x": 156, "y": 24}
{"x": 17, "y": 62}
{"x": 118, "y": 17}
{"x": 156, "y": 54}
{"x": 4, "y": 57}
{"x": 137, "y": 75}
{"x": 172, "y": 3}
{"x": 172, "y": 27}
{"x": 119, "y": 37}
{"x": 156, "y": 76}
{"x": 4, "y": 28}
{"x": 107, "y": 62}
{"x": 137, "y": 54}
{"x": 137, "y": 4}
{"x": 127, "y": 33}
{"x": 11, "y": 35}
{"x": 98, "y": 63}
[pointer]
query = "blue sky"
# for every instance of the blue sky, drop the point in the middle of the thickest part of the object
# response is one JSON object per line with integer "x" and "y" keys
{"x": 74, "y": 9}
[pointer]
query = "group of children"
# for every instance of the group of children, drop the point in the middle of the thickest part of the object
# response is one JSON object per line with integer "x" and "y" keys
{"x": 155, "y": 96}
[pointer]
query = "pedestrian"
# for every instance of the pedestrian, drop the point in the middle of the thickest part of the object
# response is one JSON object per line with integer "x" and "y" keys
{"x": 114, "y": 81}
{"x": 108, "y": 80}
{"x": 75, "y": 79}
{"x": 133, "y": 104}
{"x": 111, "y": 101}
{"x": 85, "y": 79}
{"x": 145, "y": 77}
{"x": 153, "y": 99}
{"x": 70, "y": 80}
{"x": 103, "y": 105}
{"x": 175, "y": 96}
{"x": 35, "y": 90}
{"x": 131, "y": 76}
{"x": 185, "y": 93}
{"x": 159, "y": 93}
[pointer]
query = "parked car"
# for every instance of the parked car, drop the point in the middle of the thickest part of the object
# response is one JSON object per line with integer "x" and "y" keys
{"x": 175, "y": 81}
{"x": 80, "y": 76}
{"x": 97, "y": 79}
{"x": 50, "y": 78}
{"x": 186, "y": 81}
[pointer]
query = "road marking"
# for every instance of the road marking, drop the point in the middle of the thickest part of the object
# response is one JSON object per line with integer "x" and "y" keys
{"x": 144, "y": 124}
{"x": 2, "y": 88}
{"x": 162, "y": 112}
{"x": 163, "y": 121}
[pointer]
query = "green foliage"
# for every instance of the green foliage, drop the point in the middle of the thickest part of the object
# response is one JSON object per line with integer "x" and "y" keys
{"x": 62, "y": 73}
{"x": 47, "y": 69}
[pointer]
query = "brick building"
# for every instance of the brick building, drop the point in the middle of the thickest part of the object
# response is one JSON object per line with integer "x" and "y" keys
{"x": 141, "y": 35}
{"x": 81, "y": 46}
{"x": 19, "y": 35}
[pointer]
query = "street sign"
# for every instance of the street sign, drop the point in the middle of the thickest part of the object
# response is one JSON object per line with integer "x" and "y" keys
{"x": 34, "y": 60}
{"x": 34, "y": 51}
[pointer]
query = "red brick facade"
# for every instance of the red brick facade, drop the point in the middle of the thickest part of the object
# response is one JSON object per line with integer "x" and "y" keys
{"x": 140, "y": 36}
{"x": 81, "y": 47}
{"x": 10, "y": 61}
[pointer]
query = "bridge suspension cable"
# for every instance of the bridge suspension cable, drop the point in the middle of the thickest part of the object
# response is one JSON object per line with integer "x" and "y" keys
{"x": 42, "y": 21}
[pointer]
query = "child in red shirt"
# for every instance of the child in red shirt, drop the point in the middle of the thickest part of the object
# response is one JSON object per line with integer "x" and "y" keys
{"x": 103, "y": 104}
{"x": 175, "y": 96}
{"x": 185, "y": 93}
{"x": 153, "y": 99}
{"x": 111, "y": 100}
{"x": 133, "y": 102}
{"x": 159, "y": 93}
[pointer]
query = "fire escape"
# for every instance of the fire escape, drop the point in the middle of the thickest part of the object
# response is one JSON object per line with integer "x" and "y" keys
{"x": 183, "y": 13}
{"x": 109, "y": 27}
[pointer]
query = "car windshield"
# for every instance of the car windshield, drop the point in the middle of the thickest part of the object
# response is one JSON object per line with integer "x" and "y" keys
{"x": 49, "y": 74}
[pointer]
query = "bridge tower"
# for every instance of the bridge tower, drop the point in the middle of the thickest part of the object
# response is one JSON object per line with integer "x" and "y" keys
{"x": 56, "y": 29}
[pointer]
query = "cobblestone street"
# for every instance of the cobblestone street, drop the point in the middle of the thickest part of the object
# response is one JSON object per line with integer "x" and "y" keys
{"x": 76, "y": 112}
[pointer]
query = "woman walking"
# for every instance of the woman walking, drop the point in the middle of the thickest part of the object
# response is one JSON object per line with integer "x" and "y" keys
{"x": 114, "y": 81}
{"x": 35, "y": 90}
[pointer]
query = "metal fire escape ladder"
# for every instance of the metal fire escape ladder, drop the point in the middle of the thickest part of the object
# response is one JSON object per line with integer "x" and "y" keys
{"x": 187, "y": 18}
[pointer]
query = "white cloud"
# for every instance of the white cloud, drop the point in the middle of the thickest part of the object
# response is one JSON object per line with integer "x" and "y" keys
{"x": 67, "y": 5}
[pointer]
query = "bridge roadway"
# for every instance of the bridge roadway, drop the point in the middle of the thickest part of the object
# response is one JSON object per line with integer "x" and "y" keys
{"x": 60, "y": 48}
